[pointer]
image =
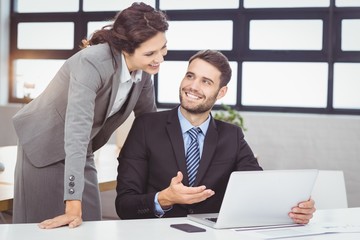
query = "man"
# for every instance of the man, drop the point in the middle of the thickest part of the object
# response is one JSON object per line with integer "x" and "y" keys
{"x": 159, "y": 145}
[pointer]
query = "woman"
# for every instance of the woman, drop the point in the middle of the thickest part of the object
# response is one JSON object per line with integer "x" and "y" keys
{"x": 89, "y": 98}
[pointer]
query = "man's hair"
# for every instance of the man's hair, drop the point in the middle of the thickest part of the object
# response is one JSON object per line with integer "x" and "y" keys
{"x": 132, "y": 26}
{"x": 218, "y": 60}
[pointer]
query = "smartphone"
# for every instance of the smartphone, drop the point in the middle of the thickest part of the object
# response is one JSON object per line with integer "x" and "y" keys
{"x": 188, "y": 227}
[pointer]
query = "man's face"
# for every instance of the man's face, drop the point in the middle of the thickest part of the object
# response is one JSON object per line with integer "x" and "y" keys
{"x": 200, "y": 88}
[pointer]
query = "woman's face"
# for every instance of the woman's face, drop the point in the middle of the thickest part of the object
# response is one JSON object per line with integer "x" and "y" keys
{"x": 148, "y": 55}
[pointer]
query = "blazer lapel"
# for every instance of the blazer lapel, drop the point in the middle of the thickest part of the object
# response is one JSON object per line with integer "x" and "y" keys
{"x": 175, "y": 135}
{"x": 209, "y": 147}
{"x": 115, "y": 84}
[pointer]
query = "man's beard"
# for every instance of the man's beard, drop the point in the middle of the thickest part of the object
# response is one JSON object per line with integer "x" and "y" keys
{"x": 200, "y": 108}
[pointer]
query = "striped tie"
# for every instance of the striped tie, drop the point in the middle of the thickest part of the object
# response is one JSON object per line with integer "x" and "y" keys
{"x": 193, "y": 155}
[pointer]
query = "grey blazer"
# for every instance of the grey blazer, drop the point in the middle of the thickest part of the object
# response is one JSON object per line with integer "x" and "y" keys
{"x": 69, "y": 119}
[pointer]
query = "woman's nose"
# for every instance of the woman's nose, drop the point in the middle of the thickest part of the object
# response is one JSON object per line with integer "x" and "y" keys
{"x": 159, "y": 58}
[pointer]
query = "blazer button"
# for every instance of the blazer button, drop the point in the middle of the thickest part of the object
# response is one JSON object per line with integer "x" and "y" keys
{"x": 71, "y": 184}
{"x": 72, "y": 178}
{"x": 71, "y": 191}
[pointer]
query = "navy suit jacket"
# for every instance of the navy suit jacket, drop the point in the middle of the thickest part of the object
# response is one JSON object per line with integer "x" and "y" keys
{"x": 154, "y": 152}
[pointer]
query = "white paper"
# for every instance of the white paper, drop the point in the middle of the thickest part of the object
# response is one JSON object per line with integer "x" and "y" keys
{"x": 302, "y": 231}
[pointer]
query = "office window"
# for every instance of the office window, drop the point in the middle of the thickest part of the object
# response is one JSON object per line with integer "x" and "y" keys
{"x": 38, "y": 6}
{"x": 94, "y": 26}
{"x": 286, "y": 56}
{"x": 171, "y": 74}
{"x": 347, "y": 85}
{"x": 32, "y": 76}
{"x": 284, "y": 84}
{"x": 34, "y": 35}
{"x": 285, "y": 3}
{"x": 285, "y": 34}
{"x": 350, "y": 35}
{"x": 198, "y": 4}
{"x": 110, "y": 5}
{"x": 347, "y": 3}
{"x": 195, "y": 35}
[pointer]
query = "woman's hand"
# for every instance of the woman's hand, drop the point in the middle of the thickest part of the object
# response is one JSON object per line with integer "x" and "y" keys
{"x": 72, "y": 217}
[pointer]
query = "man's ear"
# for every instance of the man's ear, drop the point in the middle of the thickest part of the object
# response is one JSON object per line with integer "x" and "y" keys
{"x": 222, "y": 92}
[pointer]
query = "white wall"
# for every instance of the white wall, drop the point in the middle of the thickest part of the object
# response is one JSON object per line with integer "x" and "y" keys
{"x": 4, "y": 49}
{"x": 326, "y": 142}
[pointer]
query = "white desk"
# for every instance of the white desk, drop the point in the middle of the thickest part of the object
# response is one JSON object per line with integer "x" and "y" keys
{"x": 160, "y": 229}
{"x": 106, "y": 166}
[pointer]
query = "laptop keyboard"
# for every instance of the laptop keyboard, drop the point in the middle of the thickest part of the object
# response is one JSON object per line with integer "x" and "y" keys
{"x": 214, "y": 219}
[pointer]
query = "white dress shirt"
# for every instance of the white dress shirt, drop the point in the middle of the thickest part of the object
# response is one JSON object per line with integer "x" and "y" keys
{"x": 126, "y": 81}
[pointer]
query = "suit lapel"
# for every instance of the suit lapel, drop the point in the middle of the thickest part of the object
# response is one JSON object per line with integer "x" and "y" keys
{"x": 175, "y": 135}
{"x": 115, "y": 83}
{"x": 209, "y": 147}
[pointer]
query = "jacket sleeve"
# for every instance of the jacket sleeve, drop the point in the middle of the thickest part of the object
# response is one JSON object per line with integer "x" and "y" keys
{"x": 85, "y": 80}
{"x": 246, "y": 160}
{"x": 133, "y": 200}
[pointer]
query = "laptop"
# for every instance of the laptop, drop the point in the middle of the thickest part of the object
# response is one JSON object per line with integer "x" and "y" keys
{"x": 260, "y": 199}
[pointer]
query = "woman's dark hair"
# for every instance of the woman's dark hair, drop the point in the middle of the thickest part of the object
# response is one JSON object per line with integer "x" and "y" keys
{"x": 132, "y": 26}
{"x": 218, "y": 60}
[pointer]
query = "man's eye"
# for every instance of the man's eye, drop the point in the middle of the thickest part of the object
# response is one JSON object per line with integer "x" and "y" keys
{"x": 207, "y": 82}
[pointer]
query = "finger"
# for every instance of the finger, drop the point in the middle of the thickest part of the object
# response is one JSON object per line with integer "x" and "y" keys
{"x": 43, "y": 224}
{"x": 53, "y": 223}
{"x": 199, "y": 197}
{"x": 177, "y": 179}
{"x": 307, "y": 204}
{"x": 300, "y": 221}
{"x": 300, "y": 217}
{"x": 193, "y": 190}
{"x": 302, "y": 210}
{"x": 75, "y": 223}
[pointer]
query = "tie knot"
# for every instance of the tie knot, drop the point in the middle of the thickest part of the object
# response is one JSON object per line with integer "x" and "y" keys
{"x": 193, "y": 132}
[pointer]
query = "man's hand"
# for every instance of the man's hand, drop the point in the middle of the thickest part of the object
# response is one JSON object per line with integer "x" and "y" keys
{"x": 177, "y": 193}
{"x": 303, "y": 212}
{"x": 72, "y": 217}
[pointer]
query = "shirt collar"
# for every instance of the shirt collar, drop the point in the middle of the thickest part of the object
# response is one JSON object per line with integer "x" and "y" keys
{"x": 186, "y": 125}
{"x": 125, "y": 74}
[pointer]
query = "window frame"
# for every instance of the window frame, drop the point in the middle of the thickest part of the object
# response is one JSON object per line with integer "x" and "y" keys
{"x": 241, "y": 17}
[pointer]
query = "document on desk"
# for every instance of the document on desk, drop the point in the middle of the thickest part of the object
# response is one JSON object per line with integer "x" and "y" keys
{"x": 307, "y": 230}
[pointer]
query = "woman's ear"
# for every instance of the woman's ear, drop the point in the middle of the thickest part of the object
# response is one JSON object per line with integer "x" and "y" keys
{"x": 125, "y": 53}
